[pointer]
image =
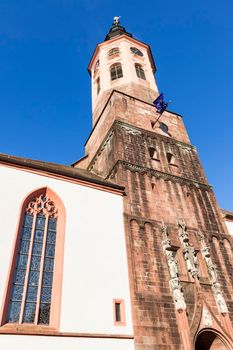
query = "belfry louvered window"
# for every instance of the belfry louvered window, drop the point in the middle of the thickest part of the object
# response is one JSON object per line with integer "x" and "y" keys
{"x": 30, "y": 299}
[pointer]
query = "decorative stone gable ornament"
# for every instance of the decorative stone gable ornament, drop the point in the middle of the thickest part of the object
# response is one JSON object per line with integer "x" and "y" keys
{"x": 177, "y": 294}
{"x": 188, "y": 250}
{"x": 219, "y": 298}
{"x": 173, "y": 270}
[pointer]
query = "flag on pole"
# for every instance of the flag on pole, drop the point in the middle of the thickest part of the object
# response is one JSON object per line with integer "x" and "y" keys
{"x": 159, "y": 104}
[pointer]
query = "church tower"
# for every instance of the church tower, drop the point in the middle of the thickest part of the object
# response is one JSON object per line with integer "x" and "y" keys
{"x": 178, "y": 248}
{"x": 124, "y": 64}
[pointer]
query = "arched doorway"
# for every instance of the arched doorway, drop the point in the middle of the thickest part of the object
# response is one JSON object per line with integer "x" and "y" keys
{"x": 209, "y": 341}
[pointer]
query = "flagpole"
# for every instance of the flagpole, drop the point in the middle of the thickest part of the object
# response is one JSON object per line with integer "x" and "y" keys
{"x": 160, "y": 105}
{"x": 157, "y": 119}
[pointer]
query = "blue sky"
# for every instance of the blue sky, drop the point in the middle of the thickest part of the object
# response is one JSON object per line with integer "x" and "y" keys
{"x": 45, "y": 97}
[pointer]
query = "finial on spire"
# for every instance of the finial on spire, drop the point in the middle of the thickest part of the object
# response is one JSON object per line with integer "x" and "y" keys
{"x": 116, "y": 29}
{"x": 116, "y": 20}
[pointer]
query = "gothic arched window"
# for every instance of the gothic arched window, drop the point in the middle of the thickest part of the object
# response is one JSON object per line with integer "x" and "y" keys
{"x": 116, "y": 71}
{"x": 139, "y": 71}
{"x": 31, "y": 286}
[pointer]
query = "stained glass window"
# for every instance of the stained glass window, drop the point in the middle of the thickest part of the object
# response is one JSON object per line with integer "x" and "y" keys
{"x": 30, "y": 300}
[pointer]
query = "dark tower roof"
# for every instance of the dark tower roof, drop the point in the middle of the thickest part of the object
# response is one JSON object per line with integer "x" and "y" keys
{"x": 116, "y": 30}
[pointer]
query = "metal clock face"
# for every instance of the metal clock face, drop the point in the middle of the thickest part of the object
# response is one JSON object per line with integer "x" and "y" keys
{"x": 136, "y": 51}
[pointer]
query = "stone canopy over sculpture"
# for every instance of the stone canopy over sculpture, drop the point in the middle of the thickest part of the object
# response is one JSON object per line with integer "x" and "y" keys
{"x": 220, "y": 301}
{"x": 188, "y": 250}
{"x": 173, "y": 270}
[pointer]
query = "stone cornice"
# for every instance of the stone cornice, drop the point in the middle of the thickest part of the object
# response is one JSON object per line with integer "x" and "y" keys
{"x": 136, "y": 130}
{"x": 157, "y": 174}
{"x": 155, "y": 135}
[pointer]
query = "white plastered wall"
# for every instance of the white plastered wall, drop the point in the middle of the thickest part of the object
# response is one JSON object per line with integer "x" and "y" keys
{"x": 63, "y": 343}
{"x": 95, "y": 263}
{"x": 229, "y": 225}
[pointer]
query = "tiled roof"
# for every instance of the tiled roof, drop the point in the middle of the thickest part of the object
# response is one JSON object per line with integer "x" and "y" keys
{"x": 59, "y": 169}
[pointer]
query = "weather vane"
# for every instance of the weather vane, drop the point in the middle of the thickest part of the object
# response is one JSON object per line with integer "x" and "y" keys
{"x": 116, "y": 20}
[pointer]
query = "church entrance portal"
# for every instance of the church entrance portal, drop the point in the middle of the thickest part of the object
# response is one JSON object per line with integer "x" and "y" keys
{"x": 209, "y": 341}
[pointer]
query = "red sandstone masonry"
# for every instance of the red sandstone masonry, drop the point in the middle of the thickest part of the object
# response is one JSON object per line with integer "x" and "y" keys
{"x": 156, "y": 192}
{"x": 123, "y": 107}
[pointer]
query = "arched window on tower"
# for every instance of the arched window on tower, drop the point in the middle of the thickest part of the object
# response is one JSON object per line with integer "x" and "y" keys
{"x": 114, "y": 51}
{"x": 116, "y": 71}
{"x": 139, "y": 71}
{"x": 97, "y": 65}
{"x": 98, "y": 85}
{"x": 34, "y": 268}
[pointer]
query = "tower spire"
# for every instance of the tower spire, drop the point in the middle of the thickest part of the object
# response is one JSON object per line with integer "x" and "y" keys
{"x": 116, "y": 29}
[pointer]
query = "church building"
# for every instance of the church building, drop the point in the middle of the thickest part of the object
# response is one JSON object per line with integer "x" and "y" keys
{"x": 126, "y": 248}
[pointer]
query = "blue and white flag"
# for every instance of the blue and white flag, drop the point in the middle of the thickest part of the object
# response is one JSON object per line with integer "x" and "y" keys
{"x": 159, "y": 104}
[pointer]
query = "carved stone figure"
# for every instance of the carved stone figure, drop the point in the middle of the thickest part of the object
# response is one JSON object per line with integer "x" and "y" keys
{"x": 173, "y": 270}
{"x": 183, "y": 231}
{"x": 222, "y": 306}
{"x": 207, "y": 319}
{"x": 170, "y": 254}
{"x": 200, "y": 236}
{"x": 209, "y": 263}
{"x": 220, "y": 301}
{"x": 177, "y": 294}
{"x": 172, "y": 264}
{"x": 166, "y": 244}
{"x": 191, "y": 260}
{"x": 189, "y": 251}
